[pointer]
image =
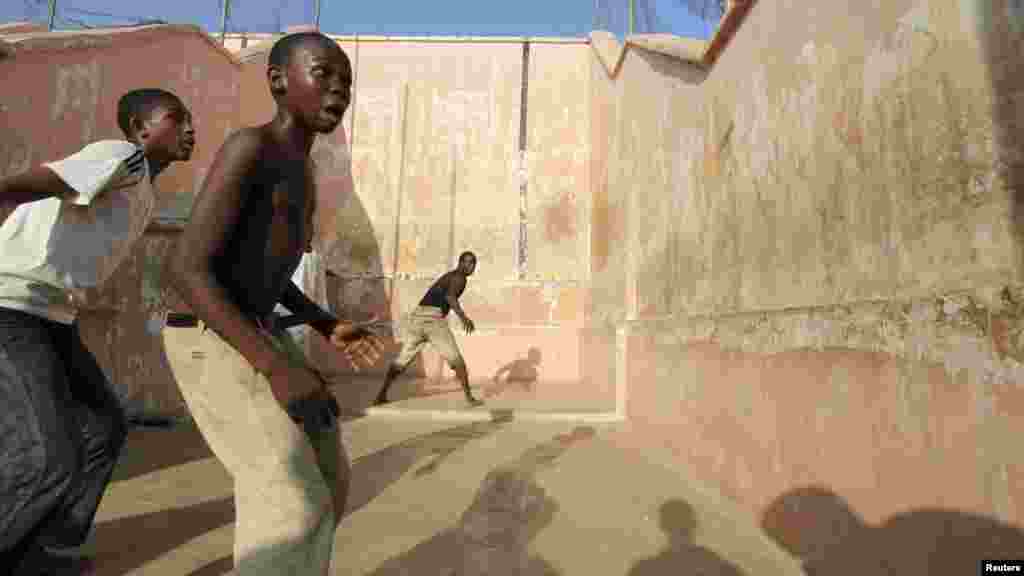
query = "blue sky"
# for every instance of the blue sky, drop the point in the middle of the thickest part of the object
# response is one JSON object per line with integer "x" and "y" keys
{"x": 394, "y": 17}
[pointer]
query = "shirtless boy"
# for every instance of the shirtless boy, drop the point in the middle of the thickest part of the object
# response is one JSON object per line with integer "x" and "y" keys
{"x": 249, "y": 227}
{"x": 61, "y": 424}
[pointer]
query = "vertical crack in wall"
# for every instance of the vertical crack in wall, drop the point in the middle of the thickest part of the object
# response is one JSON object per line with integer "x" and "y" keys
{"x": 403, "y": 118}
{"x": 453, "y": 182}
{"x": 523, "y": 174}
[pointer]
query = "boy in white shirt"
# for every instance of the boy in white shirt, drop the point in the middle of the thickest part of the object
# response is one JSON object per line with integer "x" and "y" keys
{"x": 61, "y": 424}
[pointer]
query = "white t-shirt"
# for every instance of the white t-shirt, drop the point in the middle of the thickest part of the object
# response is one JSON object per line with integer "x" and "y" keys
{"x": 53, "y": 248}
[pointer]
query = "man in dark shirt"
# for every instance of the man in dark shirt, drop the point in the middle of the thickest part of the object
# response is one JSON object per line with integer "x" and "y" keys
{"x": 429, "y": 323}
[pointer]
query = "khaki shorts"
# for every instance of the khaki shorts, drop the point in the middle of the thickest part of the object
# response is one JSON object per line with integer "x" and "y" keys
{"x": 426, "y": 324}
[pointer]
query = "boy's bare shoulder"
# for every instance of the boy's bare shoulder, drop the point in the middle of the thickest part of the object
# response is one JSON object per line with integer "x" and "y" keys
{"x": 245, "y": 141}
{"x": 244, "y": 153}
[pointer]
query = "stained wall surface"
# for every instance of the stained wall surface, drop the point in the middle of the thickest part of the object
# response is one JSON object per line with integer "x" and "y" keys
{"x": 820, "y": 282}
{"x": 65, "y": 96}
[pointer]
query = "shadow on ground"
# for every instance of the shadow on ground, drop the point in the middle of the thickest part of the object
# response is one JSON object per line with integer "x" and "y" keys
{"x": 149, "y": 450}
{"x": 682, "y": 556}
{"x": 820, "y": 528}
{"x": 373, "y": 473}
{"x": 493, "y": 534}
{"x": 126, "y": 544}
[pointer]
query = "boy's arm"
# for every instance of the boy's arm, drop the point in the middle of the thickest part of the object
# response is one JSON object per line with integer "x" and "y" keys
{"x": 296, "y": 301}
{"x": 213, "y": 218}
{"x": 456, "y": 285}
{"x": 35, "y": 184}
{"x": 78, "y": 178}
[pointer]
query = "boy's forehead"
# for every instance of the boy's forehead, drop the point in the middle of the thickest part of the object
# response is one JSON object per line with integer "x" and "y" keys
{"x": 316, "y": 49}
{"x": 169, "y": 105}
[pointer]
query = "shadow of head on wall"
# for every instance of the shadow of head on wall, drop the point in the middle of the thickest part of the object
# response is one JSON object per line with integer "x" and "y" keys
{"x": 821, "y": 529}
{"x": 682, "y": 556}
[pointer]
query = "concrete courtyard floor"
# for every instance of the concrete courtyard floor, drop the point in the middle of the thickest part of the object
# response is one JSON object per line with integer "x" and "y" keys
{"x": 500, "y": 496}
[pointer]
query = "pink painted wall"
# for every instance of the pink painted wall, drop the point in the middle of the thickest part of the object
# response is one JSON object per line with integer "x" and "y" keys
{"x": 813, "y": 252}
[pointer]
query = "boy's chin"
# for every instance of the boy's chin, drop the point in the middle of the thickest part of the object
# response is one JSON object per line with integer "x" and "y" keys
{"x": 327, "y": 127}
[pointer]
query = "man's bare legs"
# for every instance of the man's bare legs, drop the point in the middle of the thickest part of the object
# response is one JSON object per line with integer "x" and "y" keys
{"x": 459, "y": 366}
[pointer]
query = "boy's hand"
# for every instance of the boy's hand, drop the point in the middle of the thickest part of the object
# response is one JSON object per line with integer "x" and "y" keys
{"x": 468, "y": 325}
{"x": 358, "y": 342}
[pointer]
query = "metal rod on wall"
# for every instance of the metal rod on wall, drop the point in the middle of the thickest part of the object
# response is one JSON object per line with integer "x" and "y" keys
{"x": 632, "y": 15}
{"x": 224, "y": 20}
{"x": 316, "y": 14}
{"x": 52, "y": 15}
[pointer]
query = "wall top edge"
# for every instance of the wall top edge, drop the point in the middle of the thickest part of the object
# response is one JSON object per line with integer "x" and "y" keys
{"x": 61, "y": 40}
{"x": 701, "y": 53}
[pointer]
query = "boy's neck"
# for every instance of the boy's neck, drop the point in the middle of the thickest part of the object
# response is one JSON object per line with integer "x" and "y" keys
{"x": 291, "y": 133}
{"x": 156, "y": 166}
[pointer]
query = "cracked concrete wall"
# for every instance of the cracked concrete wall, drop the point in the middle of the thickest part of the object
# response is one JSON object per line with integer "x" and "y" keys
{"x": 65, "y": 96}
{"x": 823, "y": 231}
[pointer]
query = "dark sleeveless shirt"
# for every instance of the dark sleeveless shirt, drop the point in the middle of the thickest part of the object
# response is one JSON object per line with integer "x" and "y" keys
{"x": 437, "y": 294}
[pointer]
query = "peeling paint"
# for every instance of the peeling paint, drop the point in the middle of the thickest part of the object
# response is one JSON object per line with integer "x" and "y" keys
{"x": 960, "y": 331}
{"x": 560, "y": 219}
{"x": 77, "y": 96}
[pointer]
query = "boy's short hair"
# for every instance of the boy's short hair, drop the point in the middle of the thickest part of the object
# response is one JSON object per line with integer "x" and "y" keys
{"x": 465, "y": 254}
{"x": 281, "y": 52}
{"x": 139, "y": 104}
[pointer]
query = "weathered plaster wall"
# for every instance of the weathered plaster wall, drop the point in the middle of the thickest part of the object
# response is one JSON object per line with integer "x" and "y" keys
{"x": 822, "y": 280}
{"x": 66, "y": 96}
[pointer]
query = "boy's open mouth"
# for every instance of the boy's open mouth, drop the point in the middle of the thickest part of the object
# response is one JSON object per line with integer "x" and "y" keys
{"x": 334, "y": 111}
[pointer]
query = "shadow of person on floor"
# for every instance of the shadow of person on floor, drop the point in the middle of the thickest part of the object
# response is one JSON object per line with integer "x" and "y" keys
{"x": 682, "y": 556}
{"x": 152, "y": 449}
{"x": 522, "y": 371}
{"x": 373, "y": 473}
{"x": 821, "y": 529}
{"x": 126, "y": 544}
{"x": 493, "y": 534}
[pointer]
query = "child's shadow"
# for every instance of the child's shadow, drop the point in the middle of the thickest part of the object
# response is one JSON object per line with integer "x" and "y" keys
{"x": 522, "y": 372}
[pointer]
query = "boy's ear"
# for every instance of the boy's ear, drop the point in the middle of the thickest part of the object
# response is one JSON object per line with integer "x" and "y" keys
{"x": 278, "y": 80}
{"x": 138, "y": 128}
